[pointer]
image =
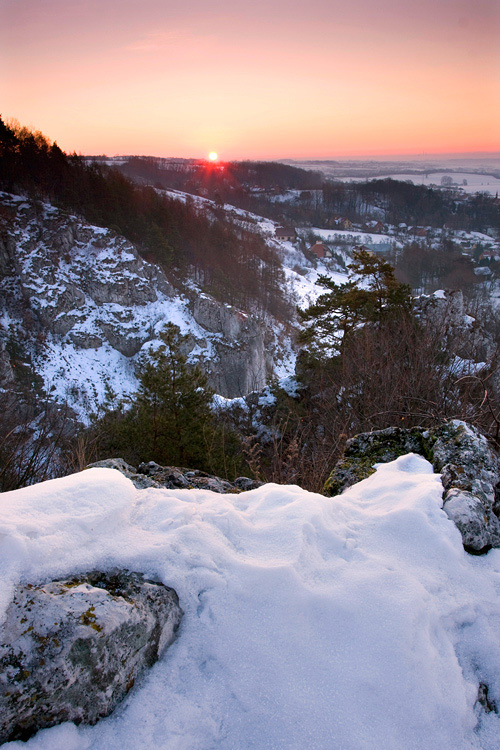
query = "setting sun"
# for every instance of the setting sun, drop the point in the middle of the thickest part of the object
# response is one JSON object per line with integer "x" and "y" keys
{"x": 213, "y": 156}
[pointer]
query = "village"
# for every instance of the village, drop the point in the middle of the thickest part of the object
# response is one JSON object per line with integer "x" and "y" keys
{"x": 481, "y": 248}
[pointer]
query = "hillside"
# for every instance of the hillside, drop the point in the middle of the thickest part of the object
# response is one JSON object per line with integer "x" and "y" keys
{"x": 93, "y": 266}
{"x": 80, "y": 304}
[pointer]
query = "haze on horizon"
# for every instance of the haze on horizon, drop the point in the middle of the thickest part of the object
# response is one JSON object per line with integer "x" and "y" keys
{"x": 319, "y": 80}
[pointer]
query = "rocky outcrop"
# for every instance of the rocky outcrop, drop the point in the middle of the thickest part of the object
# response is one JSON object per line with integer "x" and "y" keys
{"x": 86, "y": 306}
{"x": 151, "y": 474}
{"x": 469, "y": 467}
{"x": 6, "y": 371}
{"x": 459, "y": 333}
{"x": 71, "y": 650}
{"x": 243, "y": 362}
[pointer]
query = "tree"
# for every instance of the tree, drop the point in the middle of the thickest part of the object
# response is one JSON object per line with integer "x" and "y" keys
{"x": 170, "y": 418}
{"x": 371, "y": 295}
{"x": 172, "y": 409}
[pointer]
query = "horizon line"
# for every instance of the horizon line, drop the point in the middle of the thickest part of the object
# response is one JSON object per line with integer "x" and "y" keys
{"x": 312, "y": 159}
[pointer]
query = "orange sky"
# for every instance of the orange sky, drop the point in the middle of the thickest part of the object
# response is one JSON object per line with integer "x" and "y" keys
{"x": 297, "y": 80}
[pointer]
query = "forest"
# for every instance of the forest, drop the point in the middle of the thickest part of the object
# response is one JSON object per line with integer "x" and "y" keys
{"x": 254, "y": 186}
{"x": 226, "y": 260}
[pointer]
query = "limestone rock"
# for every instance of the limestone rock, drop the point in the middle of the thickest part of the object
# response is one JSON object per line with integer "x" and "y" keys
{"x": 364, "y": 450}
{"x": 151, "y": 474}
{"x": 479, "y": 529}
{"x": 67, "y": 282}
{"x": 460, "y": 333}
{"x": 218, "y": 318}
{"x": 71, "y": 650}
{"x": 243, "y": 361}
{"x": 83, "y": 340}
{"x": 141, "y": 481}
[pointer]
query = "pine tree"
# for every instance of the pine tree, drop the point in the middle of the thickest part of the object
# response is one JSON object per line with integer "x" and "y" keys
{"x": 372, "y": 295}
{"x": 172, "y": 406}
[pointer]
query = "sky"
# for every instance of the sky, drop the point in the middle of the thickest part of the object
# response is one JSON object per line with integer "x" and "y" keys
{"x": 287, "y": 79}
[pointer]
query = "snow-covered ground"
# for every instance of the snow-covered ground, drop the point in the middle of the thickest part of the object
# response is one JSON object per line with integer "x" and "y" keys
{"x": 353, "y": 237}
{"x": 476, "y": 183}
{"x": 351, "y": 623}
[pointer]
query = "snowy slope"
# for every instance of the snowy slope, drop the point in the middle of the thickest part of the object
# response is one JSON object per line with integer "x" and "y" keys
{"x": 301, "y": 272}
{"x": 85, "y": 307}
{"x": 352, "y": 623}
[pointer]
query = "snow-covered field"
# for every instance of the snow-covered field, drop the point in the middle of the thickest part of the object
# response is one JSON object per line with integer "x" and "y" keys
{"x": 363, "y": 238}
{"x": 476, "y": 183}
{"x": 351, "y": 623}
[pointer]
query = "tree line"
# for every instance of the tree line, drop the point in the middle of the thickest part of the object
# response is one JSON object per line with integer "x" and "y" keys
{"x": 229, "y": 261}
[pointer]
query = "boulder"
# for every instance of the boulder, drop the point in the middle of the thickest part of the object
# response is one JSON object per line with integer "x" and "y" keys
{"x": 478, "y": 528}
{"x": 469, "y": 467}
{"x": 72, "y": 649}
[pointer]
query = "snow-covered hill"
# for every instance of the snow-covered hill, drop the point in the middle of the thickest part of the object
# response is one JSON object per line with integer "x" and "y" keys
{"x": 82, "y": 306}
{"x": 356, "y": 622}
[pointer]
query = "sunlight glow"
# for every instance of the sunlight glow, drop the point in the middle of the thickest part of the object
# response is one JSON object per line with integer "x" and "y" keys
{"x": 213, "y": 156}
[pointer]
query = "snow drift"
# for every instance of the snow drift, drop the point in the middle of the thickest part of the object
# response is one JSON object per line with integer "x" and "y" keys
{"x": 350, "y": 622}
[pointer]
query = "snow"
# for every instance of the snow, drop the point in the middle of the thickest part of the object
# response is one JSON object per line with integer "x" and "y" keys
{"x": 83, "y": 378}
{"x": 352, "y": 236}
{"x": 476, "y": 182}
{"x": 356, "y": 622}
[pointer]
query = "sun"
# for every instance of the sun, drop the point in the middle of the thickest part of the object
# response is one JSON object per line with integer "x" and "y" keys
{"x": 213, "y": 156}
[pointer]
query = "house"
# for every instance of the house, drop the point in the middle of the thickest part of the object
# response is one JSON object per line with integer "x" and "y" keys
{"x": 374, "y": 226}
{"x": 365, "y": 249}
{"x": 341, "y": 222}
{"x": 320, "y": 250}
{"x": 286, "y": 233}
{"x": 418, "y": 231}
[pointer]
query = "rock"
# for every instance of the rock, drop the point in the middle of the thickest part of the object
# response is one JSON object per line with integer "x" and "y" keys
{"x": 484, "y": 700}
{"x": 459, "y": 333}
{"x": 478, "y": 529}
{"x": 465, "y": 459}
{"x": 217, "y": 318}
{"x": 368, "y": 448}
{"x": 469, "y": 467}
{"x": 151, "y": 474}
{"x": 141, "y": 481}
{"x": 242, "y": 368}
{"x": 6, "y": 371}
{"x": 65, "y": 281}
{"x": 83, "y": 340}
{"x": 243, "y": 361}
{"x": 126, "y": 341}
{"x": 71, "y": 650}
{"x": 244, "y": 484}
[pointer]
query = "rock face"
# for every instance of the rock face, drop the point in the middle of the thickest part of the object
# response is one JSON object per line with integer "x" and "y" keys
{"x": 84, "y": 304}
{"x": 241, "y": 348}
{"x": 470, "y": 471}
{"x": 71, "y": 650}
{"x": 151, "y": 474}
{"x": 460, "y": 333}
